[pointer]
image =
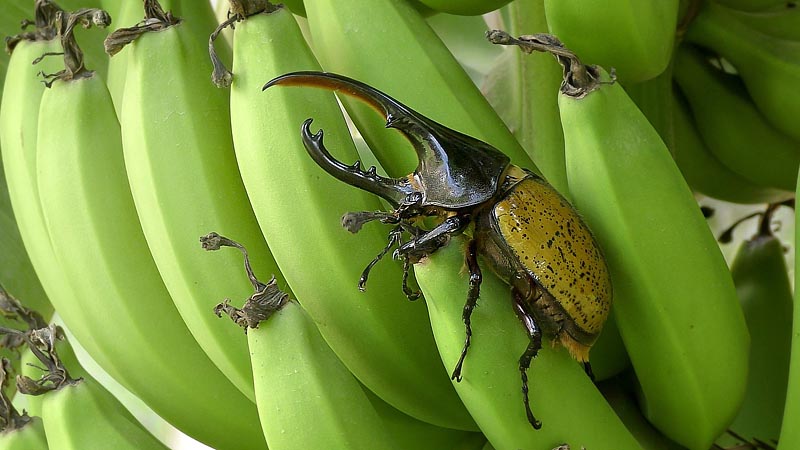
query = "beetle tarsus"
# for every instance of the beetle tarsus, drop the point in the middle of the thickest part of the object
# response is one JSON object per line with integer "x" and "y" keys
{"x": 411, "y": 295}
{"x": 353, "y": 221}
{"x": 394, "y": 238}
{"x": 587, "y": 367}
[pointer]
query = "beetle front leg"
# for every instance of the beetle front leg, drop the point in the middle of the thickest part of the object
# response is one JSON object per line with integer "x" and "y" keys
{"x": 428, "y": 242}
{"x": 475, "y": 279}
{"x": 534, "y": 344}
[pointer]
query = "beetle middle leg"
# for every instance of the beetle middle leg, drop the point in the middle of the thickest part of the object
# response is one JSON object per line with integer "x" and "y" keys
{"x": 475, "y": 279}
{"x": 525, "y": 315}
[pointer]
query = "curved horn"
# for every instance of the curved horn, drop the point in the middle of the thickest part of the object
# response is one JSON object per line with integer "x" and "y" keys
{"x": 394, "y": 190}
{"x": 465, "y": 171}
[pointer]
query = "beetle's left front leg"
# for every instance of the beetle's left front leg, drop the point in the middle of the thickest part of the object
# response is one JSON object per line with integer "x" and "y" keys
{"x": 428, "y": 242}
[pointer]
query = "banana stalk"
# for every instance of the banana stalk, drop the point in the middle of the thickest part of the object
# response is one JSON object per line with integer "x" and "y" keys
{"x": 324, "y": 267}
{"x": 119, "y": 294}
{"x": 181, "y": 167}
{"x": 674, "y": 299}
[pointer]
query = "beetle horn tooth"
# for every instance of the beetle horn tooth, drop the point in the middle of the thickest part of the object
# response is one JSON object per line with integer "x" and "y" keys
{"x": 394, "y": 190}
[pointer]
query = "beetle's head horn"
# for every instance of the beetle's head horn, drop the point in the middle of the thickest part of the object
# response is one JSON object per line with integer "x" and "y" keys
{"x": 454, "y": 170}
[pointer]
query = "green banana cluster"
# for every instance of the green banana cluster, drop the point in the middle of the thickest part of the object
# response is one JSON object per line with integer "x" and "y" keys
{"x": 118, "y": 152}
{"x": 290, "y": 356}
{"x": 76, "y": 412}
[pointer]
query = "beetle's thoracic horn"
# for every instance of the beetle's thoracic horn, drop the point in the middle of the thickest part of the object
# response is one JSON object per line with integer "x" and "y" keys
{"x": 454, "y": 171}
{"x": 394, "y": 190}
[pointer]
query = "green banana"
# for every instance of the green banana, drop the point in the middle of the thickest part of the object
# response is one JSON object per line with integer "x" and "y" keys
{"x": 464, "y": 7}
{"x": 407, "y": 432}
{"x": 781, "y": 21}
{"x": 18, "y": 120}
{"x": 79, "y": 413}
{"x": 677, "y": 344}
{"x": 790, "y": 433}
{"x": 619, "y": 393}
{"x": 290, "y": 357}
{"x": 526, "y": 84}
{"x": 130, "y": 13}
{"x": 753, "y": 5}
{"x": 731, "y": 126}
{"x": 705, "y": 173}
{"x": 18, "y": 431}
{"x": 31, "y": 436}
{"x": 323, "y": 271}
{"x": 635, "y": 38}
{"x": 426, "y": 76}
{"x": 766, "y": 64}
{"x": 181, "y": 167}
{"x": 119, "y": 294}
{"x": 561, "y": 394}
{"x": 674, "y": 300}
{"x": 765, "y": 292}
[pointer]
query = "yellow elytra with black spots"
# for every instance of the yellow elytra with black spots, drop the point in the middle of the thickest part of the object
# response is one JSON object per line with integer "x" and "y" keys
{"x": 536, "y": 241}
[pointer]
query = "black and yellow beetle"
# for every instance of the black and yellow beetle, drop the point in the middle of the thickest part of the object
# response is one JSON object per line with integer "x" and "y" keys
{"x": 524, "y": 229}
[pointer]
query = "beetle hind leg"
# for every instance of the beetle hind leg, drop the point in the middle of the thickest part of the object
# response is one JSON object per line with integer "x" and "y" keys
{"x": 475, "y": 279}
{"x": 534, "y": 344}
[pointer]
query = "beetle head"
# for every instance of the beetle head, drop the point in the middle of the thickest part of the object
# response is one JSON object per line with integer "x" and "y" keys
{"x": 454, "y": 170}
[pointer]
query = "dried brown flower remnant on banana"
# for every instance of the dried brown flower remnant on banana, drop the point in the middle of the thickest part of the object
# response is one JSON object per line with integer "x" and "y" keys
{"x": 265, "y": 301}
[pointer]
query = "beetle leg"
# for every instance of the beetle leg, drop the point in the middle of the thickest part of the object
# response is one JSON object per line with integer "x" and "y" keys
{"x": 430, "y": 241}
{"x": 411, "y": 295}
{"x": 475, "y": 278}
{"x": 353, "y": 221}
{"x": 394, "y": 238}
{"x": 534, "y": 344}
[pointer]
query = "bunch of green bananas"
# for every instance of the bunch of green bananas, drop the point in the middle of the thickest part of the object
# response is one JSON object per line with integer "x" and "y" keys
{"x": 119, "y": 152}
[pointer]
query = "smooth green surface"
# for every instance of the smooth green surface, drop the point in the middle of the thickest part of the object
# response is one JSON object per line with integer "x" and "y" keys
{"x": 731, "y": 126}
{"x": 705, "y": 173}
{"x": 121, "y": 311}
{"x": 20, "y": 218}
{"x": 765, "y": 293}
{"x": 30, "y": 437}
{"x": 306, "y": 397}
{"x": 769, "y": 66}
{"x": 299, "y": 208}
{"x": 561, "y": 395}
{"x": 633, "y": 37}
{"x": 674, "y": 299}
{"x": 790, "y": 432}
{"x": 85, "y": 416}
{"x": 180, "y": 163}
{"x": 409, "y": 62}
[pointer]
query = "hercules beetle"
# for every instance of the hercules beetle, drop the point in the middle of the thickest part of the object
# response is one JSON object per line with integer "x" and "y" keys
{"x": 530, "y": 236}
